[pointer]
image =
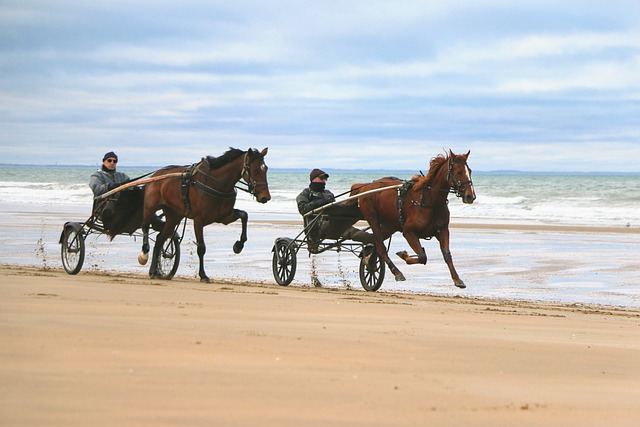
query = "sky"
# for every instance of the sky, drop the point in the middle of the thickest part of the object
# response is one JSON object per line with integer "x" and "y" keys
{"x": 530, "y": 85}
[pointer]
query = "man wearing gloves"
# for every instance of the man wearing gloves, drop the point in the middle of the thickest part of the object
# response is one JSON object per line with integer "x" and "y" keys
{"x": 107, "y": 178}
{"x": 341, "y": 217}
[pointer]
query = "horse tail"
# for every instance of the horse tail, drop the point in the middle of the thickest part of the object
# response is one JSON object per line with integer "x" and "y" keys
{"x": 126, "y": 215}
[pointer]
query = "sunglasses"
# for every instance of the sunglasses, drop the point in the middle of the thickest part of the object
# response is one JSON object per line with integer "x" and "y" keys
{"x": 112, "y": 161}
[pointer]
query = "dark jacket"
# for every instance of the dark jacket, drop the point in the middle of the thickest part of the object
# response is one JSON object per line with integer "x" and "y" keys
{"x": 309, "y": 200}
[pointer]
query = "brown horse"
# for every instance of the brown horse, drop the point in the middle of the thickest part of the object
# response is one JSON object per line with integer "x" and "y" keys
{"x": 206, "y": 193}
{"x": 418, "y": 209}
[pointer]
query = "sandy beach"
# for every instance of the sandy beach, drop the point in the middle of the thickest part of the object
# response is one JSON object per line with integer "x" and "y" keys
{"x": 546, "y": 333}
{"x": 103, "y": 350}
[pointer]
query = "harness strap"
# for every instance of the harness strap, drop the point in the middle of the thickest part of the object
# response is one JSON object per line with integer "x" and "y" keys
{"x": 402, "y": 191}
{"x": 187, "y": 180}
{"x": 213, "y": 192}
{"x": 185, "y": 185}
{"x": 455, "y": 183}
{"x": 250, "y": 183}
{"x": 421, "y": 202}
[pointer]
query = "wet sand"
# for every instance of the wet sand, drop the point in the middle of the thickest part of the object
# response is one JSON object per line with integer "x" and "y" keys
{"x": 534, "y": 262}
{"x": 102, "y": 350}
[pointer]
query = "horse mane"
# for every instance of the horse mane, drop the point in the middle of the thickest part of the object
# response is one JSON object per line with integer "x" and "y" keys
{"x": 228, "y": 157}
{"x": 434, "y": 167}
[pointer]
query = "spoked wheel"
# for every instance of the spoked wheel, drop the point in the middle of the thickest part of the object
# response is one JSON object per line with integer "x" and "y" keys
{"x": 284, "y": 261}
{"x": 72, "y": 249}
{"x": 169, "y": 258}
{"x": 372, "y": 273}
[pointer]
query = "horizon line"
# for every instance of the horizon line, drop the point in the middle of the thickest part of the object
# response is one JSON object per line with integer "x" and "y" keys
{"x": 299, "y": 169}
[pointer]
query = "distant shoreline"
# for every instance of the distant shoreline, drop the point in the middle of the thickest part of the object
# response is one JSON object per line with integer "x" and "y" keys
{"x": 355, "y": 170}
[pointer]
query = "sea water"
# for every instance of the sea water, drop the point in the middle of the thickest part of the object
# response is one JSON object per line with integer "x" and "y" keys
{"x": 584, "y": 199}
{"x": 594, "y": 268}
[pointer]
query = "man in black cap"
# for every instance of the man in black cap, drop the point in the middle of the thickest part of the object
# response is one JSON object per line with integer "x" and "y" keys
{"x": 341, "y": 217}
{"x": 107, "y": 178}
{"x": 315, "y": 195}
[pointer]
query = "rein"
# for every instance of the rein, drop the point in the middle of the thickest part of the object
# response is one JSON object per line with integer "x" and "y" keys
{"x": 456, "y": 185}
{"x": 246, "y": 170}
{"x": 207, "y": 189}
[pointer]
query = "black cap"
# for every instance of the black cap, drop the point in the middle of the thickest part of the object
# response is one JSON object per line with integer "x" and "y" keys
{"x": 109, "y": 155}
{"x": 316, "y": 173}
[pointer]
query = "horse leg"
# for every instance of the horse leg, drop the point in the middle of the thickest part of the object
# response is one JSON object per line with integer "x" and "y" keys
{"x": 166, "y": 233}
{"x": 148, "y": 213}
{"x": 144, "y": 253}
{"x": 381, "y": 250}
{"x": 397, "y": 274}
{"x": 148, "y": 216}
{"x": 153, "y": 268}
{"x": 414, "y": 242}
{"x": 198, "y": 228}
{"x": 239, "y": 245}
{"x": 443, "y": 238}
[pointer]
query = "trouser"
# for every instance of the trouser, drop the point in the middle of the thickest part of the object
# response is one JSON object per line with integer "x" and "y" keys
{"x": 357, "y": 235}
{"x": 336, "y": 228}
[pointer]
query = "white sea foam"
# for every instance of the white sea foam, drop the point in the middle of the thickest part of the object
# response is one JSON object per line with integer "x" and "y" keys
{"x": 603, "y": 200}
{"x": 550, "y": 266}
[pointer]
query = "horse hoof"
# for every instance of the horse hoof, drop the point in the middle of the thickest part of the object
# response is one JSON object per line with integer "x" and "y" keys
{"x": 403, "y": 255}
{"x": 460, "y": 284}
{"x": 143, "y": 258}
{"x": 205, "y": 280}
{"x": 400, "y": 277}
{"x": 237, "y": 247}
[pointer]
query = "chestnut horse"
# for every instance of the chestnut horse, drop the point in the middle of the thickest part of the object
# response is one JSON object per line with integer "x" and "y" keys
{"x": 418, "y": 209}
{"x": 204, "y": 192}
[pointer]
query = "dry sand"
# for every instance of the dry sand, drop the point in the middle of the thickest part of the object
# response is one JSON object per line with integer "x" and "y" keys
{"x": 106, "y": 350}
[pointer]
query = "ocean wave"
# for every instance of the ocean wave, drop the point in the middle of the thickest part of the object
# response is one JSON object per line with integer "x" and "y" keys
{"x": 603, "y": 200}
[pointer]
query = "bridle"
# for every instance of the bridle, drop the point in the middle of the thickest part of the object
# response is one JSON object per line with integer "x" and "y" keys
{"x": 456, "y": 185}
{"x": 248, "y": 179}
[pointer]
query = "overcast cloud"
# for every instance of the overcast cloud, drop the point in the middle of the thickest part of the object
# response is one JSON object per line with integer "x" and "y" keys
{"x": 529, "y": 85}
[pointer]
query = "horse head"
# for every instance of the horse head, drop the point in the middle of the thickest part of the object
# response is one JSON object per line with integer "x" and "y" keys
{"x": 254, "y": 173}
{"x": 459, "y": 176}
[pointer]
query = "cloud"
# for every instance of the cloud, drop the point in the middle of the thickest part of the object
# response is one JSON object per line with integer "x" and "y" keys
{"x": 371, "y": 82}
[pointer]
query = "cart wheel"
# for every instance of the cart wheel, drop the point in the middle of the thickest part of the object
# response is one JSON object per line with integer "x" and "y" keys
{"x": 284, "y": 261}
{"x": 169, "y": 258}
{"x": 72, "y": 249}
{"x": 372, "y": 275}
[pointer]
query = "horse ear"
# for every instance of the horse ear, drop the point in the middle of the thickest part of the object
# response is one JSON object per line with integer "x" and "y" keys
{"x": 451, "y": 153}
{"x": 264, "y": 152}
